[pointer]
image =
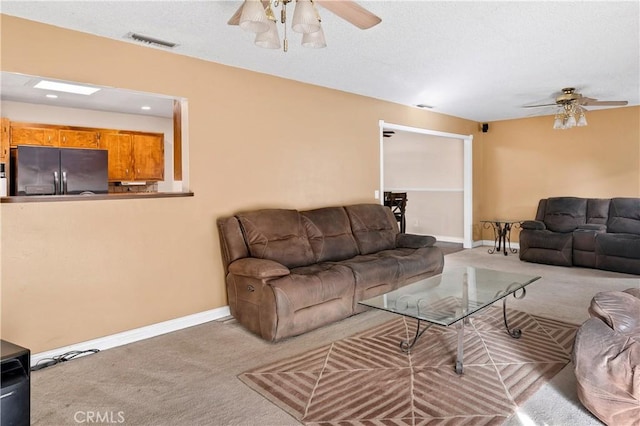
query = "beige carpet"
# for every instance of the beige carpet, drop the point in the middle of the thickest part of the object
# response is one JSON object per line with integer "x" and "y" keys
{"x": 190, "y": 377}
{"x": 367, "y": 379}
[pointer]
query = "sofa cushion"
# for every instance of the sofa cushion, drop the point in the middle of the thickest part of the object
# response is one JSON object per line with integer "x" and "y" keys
{"x": 415, "y": 262}
{"x": 277, "y": 234}
{"x": 619, "y": 245}
{"x": 374, "y": 227}
{"x": 564, "y": 214}
{"x": 329, "y": 233}
{"x": 624, "y": 216}
{"x": 313, "y": 285}
{"x": 553, "y": 248}
{"x": 598, "y": 210}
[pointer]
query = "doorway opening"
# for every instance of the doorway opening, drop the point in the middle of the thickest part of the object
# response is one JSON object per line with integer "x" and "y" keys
{"x": 434, "y": 169}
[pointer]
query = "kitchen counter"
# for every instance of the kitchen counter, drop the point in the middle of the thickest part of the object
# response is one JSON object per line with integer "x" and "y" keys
{"x": 92, "y": 197}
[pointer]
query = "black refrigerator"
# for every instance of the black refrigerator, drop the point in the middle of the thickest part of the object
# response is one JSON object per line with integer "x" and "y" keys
{"x": 39, "y": 170}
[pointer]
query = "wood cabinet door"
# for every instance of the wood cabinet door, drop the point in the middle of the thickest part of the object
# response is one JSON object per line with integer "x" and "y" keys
{"x": 148, "y": 157}
{"x": 4, "y": 142}
{"x": 33, "y": 136}
{"x": 119, "y": 157}
{"x": 78, "y": 139}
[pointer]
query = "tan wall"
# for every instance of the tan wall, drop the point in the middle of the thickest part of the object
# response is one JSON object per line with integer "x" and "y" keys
{"x": 525, "y": 160}
{"x": 75, "y": 271}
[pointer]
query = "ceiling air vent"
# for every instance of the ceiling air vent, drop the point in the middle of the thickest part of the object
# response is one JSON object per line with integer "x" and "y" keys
{"x": 151, "y": 40}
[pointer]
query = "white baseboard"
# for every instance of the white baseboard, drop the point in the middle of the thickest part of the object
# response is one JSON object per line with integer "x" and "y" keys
{"x": 136, "y": 334}
{"x": 448, "y": 239}
{"x": 491, "y": 244}
{"x": 478, "y": 243}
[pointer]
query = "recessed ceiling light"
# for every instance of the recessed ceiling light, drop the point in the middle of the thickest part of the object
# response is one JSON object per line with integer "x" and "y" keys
{"x": 51, "y": 95}
{"x": 66, "y": 87}
{"x": 424, "y": 106}
{"x": 146, "y": 108}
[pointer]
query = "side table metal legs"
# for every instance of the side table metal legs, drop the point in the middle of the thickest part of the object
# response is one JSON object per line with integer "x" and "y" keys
{"x": 502, "y": 236}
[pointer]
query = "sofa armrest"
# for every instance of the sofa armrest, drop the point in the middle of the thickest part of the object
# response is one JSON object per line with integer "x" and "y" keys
{"x": 533, "y": 225}
{"x": 592, "y": 227}
{"x": 258, "y": 268}
{"x": 414, "y": 241}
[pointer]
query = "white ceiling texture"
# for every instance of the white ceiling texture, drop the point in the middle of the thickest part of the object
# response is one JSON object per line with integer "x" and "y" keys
{"x": 477, "y": 60}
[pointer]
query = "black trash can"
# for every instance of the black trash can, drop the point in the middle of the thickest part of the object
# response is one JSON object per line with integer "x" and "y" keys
{"x": 15, "y": 385}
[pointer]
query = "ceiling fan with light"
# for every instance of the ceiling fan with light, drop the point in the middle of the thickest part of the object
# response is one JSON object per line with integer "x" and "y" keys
{"x": 571, "y": 108}
{"x": 257, "y": 16}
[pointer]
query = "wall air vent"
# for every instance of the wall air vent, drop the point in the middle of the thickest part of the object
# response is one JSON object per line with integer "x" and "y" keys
{"x": 151, "y": 40}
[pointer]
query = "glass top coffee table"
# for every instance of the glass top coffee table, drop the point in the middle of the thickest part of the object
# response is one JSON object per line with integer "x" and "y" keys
{"x": 451, "y": 297}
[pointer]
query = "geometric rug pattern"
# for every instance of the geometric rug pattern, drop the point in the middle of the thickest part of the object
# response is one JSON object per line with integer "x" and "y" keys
{"x": 367, "y": 380}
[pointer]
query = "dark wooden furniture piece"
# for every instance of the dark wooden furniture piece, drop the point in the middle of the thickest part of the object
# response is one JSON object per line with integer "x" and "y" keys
{"x": 397, "y": 202}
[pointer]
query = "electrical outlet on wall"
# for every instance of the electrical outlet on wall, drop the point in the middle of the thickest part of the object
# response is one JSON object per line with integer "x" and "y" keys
{"x": 376, "y": 194}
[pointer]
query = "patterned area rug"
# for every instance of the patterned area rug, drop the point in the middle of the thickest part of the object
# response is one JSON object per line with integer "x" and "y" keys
{"x": 366, "y": 379}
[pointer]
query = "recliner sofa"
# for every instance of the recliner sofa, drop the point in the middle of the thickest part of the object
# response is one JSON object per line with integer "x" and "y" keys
{"x": 289, "y": 271}
{"x": 587, "y": 232}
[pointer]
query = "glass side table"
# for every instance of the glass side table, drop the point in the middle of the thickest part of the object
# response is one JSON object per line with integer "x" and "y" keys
{"x": 502, "y": 234}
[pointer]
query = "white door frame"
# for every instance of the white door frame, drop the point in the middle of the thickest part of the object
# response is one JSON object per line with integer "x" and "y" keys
{"x": 467, "y": 165}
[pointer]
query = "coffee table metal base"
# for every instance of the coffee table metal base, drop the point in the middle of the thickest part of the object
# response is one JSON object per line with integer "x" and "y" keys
{"x": 516, "y": 333}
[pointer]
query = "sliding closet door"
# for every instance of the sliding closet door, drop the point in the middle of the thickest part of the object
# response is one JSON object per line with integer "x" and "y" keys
{"x": 430, "y": 169}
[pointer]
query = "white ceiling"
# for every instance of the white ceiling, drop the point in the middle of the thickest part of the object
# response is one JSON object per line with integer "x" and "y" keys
{"x": 478, "y": 60}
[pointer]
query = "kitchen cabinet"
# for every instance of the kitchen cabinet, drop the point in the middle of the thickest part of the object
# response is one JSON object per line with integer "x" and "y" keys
{"x": 33, "y": 135}
{"x": 78, "y": 138}
{"x": 4, "y": 141}
{"x": 148, "y": 156}
{"x": 119, "y": 146}
{"x": 134, "y": 156}
{"x": 49, "y": 135}
{"x": 5, "y": 157}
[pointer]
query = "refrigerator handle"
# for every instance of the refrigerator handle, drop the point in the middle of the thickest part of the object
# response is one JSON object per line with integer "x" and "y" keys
{"x": 64, "y": 182}
{"x": 56, "y": 183}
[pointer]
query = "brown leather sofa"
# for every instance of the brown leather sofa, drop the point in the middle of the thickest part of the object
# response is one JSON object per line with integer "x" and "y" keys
{"x": 289, "y": 271}
{"x": 587, "y": 232}
{"x": 606, "y": 357}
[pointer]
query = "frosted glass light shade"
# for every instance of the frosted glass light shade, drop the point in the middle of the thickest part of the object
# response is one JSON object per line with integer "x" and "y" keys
{"x": 582, "y": 120}
{"x": 314, "y": 40}
{"x": 557, "y": 124}
{"x": 305, "y": 19}
{"x": 571, "y": 122}
{"x": 254, "y": 17}
{"x": 269, "y": 39}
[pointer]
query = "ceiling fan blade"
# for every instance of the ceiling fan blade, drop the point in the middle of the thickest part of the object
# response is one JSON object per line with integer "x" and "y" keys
{"x": 235, "y": 19}
{"x": 594, "y": 102}
{"x": 537, "y": 106}
{"x": 351, "y": 12}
